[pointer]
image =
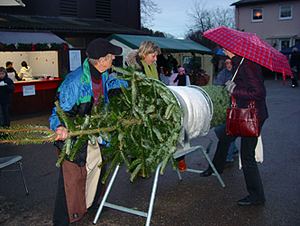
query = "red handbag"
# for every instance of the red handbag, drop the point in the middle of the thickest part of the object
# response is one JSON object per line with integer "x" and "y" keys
{"x": 242, "y": 122}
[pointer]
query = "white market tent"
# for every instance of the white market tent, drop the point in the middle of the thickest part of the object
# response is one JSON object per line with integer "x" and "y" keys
{"x": 12, "y": 3}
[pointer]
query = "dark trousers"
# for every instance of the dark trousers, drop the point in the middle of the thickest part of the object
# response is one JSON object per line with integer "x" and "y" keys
{"x": 60, "y": 214}
{"x": 249, "y": 166}
{"x": 4, "y": 115}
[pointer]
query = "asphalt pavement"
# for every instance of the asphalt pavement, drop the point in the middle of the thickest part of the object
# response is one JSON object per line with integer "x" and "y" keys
{"x": 192, "y": 201}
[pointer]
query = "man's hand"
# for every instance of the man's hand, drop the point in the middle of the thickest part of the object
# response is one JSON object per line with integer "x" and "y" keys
{"x": 229, "y": 85}
{"x": 62, "y": 133}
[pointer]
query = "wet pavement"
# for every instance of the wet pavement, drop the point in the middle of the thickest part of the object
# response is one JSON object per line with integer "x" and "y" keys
{"x": 192, "y": 201}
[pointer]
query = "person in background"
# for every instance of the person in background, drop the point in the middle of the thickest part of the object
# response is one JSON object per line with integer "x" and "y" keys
{"x": 295, "y": 66}
{"x": 79, "y": 92}
{"x": 181, "y": 77}
{"x": 248, "y": 85}
{"x": 11, "y": 72}
{"x": 181, "y": 81}
{"x": 221, "y": 64}
{"x": 26, "y": 72}
{"x": 172, "y": 78}
{"x": 144, "y": 58}
{"x": 162, "y": 76}
{"x": 6, "y": 89}
{"x": 224, "y": 76}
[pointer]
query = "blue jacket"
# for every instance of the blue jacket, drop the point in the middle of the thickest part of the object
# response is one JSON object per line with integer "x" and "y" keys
{"x": 76, "y": 97}
{"x": 223, "y": 77}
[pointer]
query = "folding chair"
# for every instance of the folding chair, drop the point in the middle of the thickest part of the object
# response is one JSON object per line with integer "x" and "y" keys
{"x": 10, "y": 160}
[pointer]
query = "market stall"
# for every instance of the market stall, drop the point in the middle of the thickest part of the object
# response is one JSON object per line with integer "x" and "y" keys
{"x": 34, "y": 96}
{"x": 47, "y": 56}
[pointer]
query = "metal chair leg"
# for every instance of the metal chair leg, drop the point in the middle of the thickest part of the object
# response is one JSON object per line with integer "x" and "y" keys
{"x": 106, "y": 194}
{"x": 24, "y": 182}
{"x": 153, "y": 195}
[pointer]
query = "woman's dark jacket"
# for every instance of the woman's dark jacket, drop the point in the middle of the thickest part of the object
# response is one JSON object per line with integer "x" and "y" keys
{"x": 250, "y": 86}
{"x": 181, "y": 80}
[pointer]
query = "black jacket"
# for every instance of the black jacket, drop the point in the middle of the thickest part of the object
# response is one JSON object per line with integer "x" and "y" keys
{"x": 6, "y": 90}
{"x": 11, "y": 69}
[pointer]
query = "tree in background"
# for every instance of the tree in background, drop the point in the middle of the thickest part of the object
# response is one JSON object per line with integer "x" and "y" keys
{"x": 148, "y": 10}
{"x": 203, "y": 18}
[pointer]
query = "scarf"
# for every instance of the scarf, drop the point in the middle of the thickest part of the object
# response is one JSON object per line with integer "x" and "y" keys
{"x": 150, "y": 72}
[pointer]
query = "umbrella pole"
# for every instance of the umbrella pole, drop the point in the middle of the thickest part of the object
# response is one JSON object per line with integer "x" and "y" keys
{"x": 235, "y": 73}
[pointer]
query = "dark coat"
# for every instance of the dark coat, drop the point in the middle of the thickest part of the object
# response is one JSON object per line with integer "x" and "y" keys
{"x": 295, "y": 60}
{"x": 181, "y": 79}
{"x": 250, "y": 86}
{"x": 11, "y": 69}
{"x": 5, "y": 91}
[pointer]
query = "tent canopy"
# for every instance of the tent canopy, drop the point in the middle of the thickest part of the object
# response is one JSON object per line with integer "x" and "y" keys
{"x": 165, "y": 44}
{"x": 12, "y": 3}
{"x": 290, "y": 49}
{"x": 13, "y": 37}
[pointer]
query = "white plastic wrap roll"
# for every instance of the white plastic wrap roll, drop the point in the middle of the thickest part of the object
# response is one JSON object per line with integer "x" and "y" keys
{"x": 197, "y": 107}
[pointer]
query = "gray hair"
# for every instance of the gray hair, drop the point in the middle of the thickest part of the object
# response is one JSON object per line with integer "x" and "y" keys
{"x": 295, "y": 50}
{"x": 95, "y": 61}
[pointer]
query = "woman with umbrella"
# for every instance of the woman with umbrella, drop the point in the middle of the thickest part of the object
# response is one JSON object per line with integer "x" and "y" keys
{"x": 248, "y": 86}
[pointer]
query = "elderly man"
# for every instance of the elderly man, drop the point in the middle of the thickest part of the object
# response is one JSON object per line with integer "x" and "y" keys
{"x": 77, "y": 189}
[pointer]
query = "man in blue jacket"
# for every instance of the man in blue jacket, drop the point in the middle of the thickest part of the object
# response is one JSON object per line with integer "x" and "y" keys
{"x": 77, "y": 95}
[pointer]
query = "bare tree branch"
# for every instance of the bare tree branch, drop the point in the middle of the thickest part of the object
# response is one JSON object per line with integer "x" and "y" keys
{"x": 203, "y": 18}
{"x": 148, "y": 9}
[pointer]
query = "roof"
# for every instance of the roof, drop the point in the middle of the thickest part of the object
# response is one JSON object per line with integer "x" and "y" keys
{"x": 12, "y": 3}
{"x": 282, "y": 36}
{"x": 30, "y": 22}
{"x": 165, "y": 44}
{"x": 13, "y": 37}
{"x": 252, "y": 2}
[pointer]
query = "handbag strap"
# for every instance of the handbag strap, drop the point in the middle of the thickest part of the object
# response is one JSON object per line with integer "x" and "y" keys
{"x": 237, "y": 70}
{"x": 233, "y": 100}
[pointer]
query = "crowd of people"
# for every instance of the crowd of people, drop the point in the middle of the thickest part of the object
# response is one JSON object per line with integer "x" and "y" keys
{"x": 81, "y": 91}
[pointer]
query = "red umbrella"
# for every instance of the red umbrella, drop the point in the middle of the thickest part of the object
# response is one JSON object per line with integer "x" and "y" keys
{"x": 251, "y": 47}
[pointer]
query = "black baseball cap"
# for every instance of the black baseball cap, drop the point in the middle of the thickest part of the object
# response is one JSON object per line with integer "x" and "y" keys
{"x": 100, "y": 47}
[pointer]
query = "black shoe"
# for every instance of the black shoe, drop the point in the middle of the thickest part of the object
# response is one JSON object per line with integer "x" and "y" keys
{"x": 206, "y": 173}
{"x": 229, "y": 164}
{"x": 247, "y": 202}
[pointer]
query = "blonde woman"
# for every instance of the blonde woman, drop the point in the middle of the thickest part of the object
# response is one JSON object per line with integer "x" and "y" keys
{"x": 144, "y": 58}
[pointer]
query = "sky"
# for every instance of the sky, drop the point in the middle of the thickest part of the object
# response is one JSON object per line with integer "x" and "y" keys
{"x": 173, "y": 19}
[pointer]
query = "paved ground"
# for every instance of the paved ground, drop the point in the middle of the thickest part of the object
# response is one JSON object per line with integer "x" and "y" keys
{"x": 192, "y": 201}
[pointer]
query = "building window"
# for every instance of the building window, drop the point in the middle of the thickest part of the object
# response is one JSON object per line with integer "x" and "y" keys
{"x": 285, "y": 12}
{"x": 284, "y": 43}
{"x": 257, "y": 15}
